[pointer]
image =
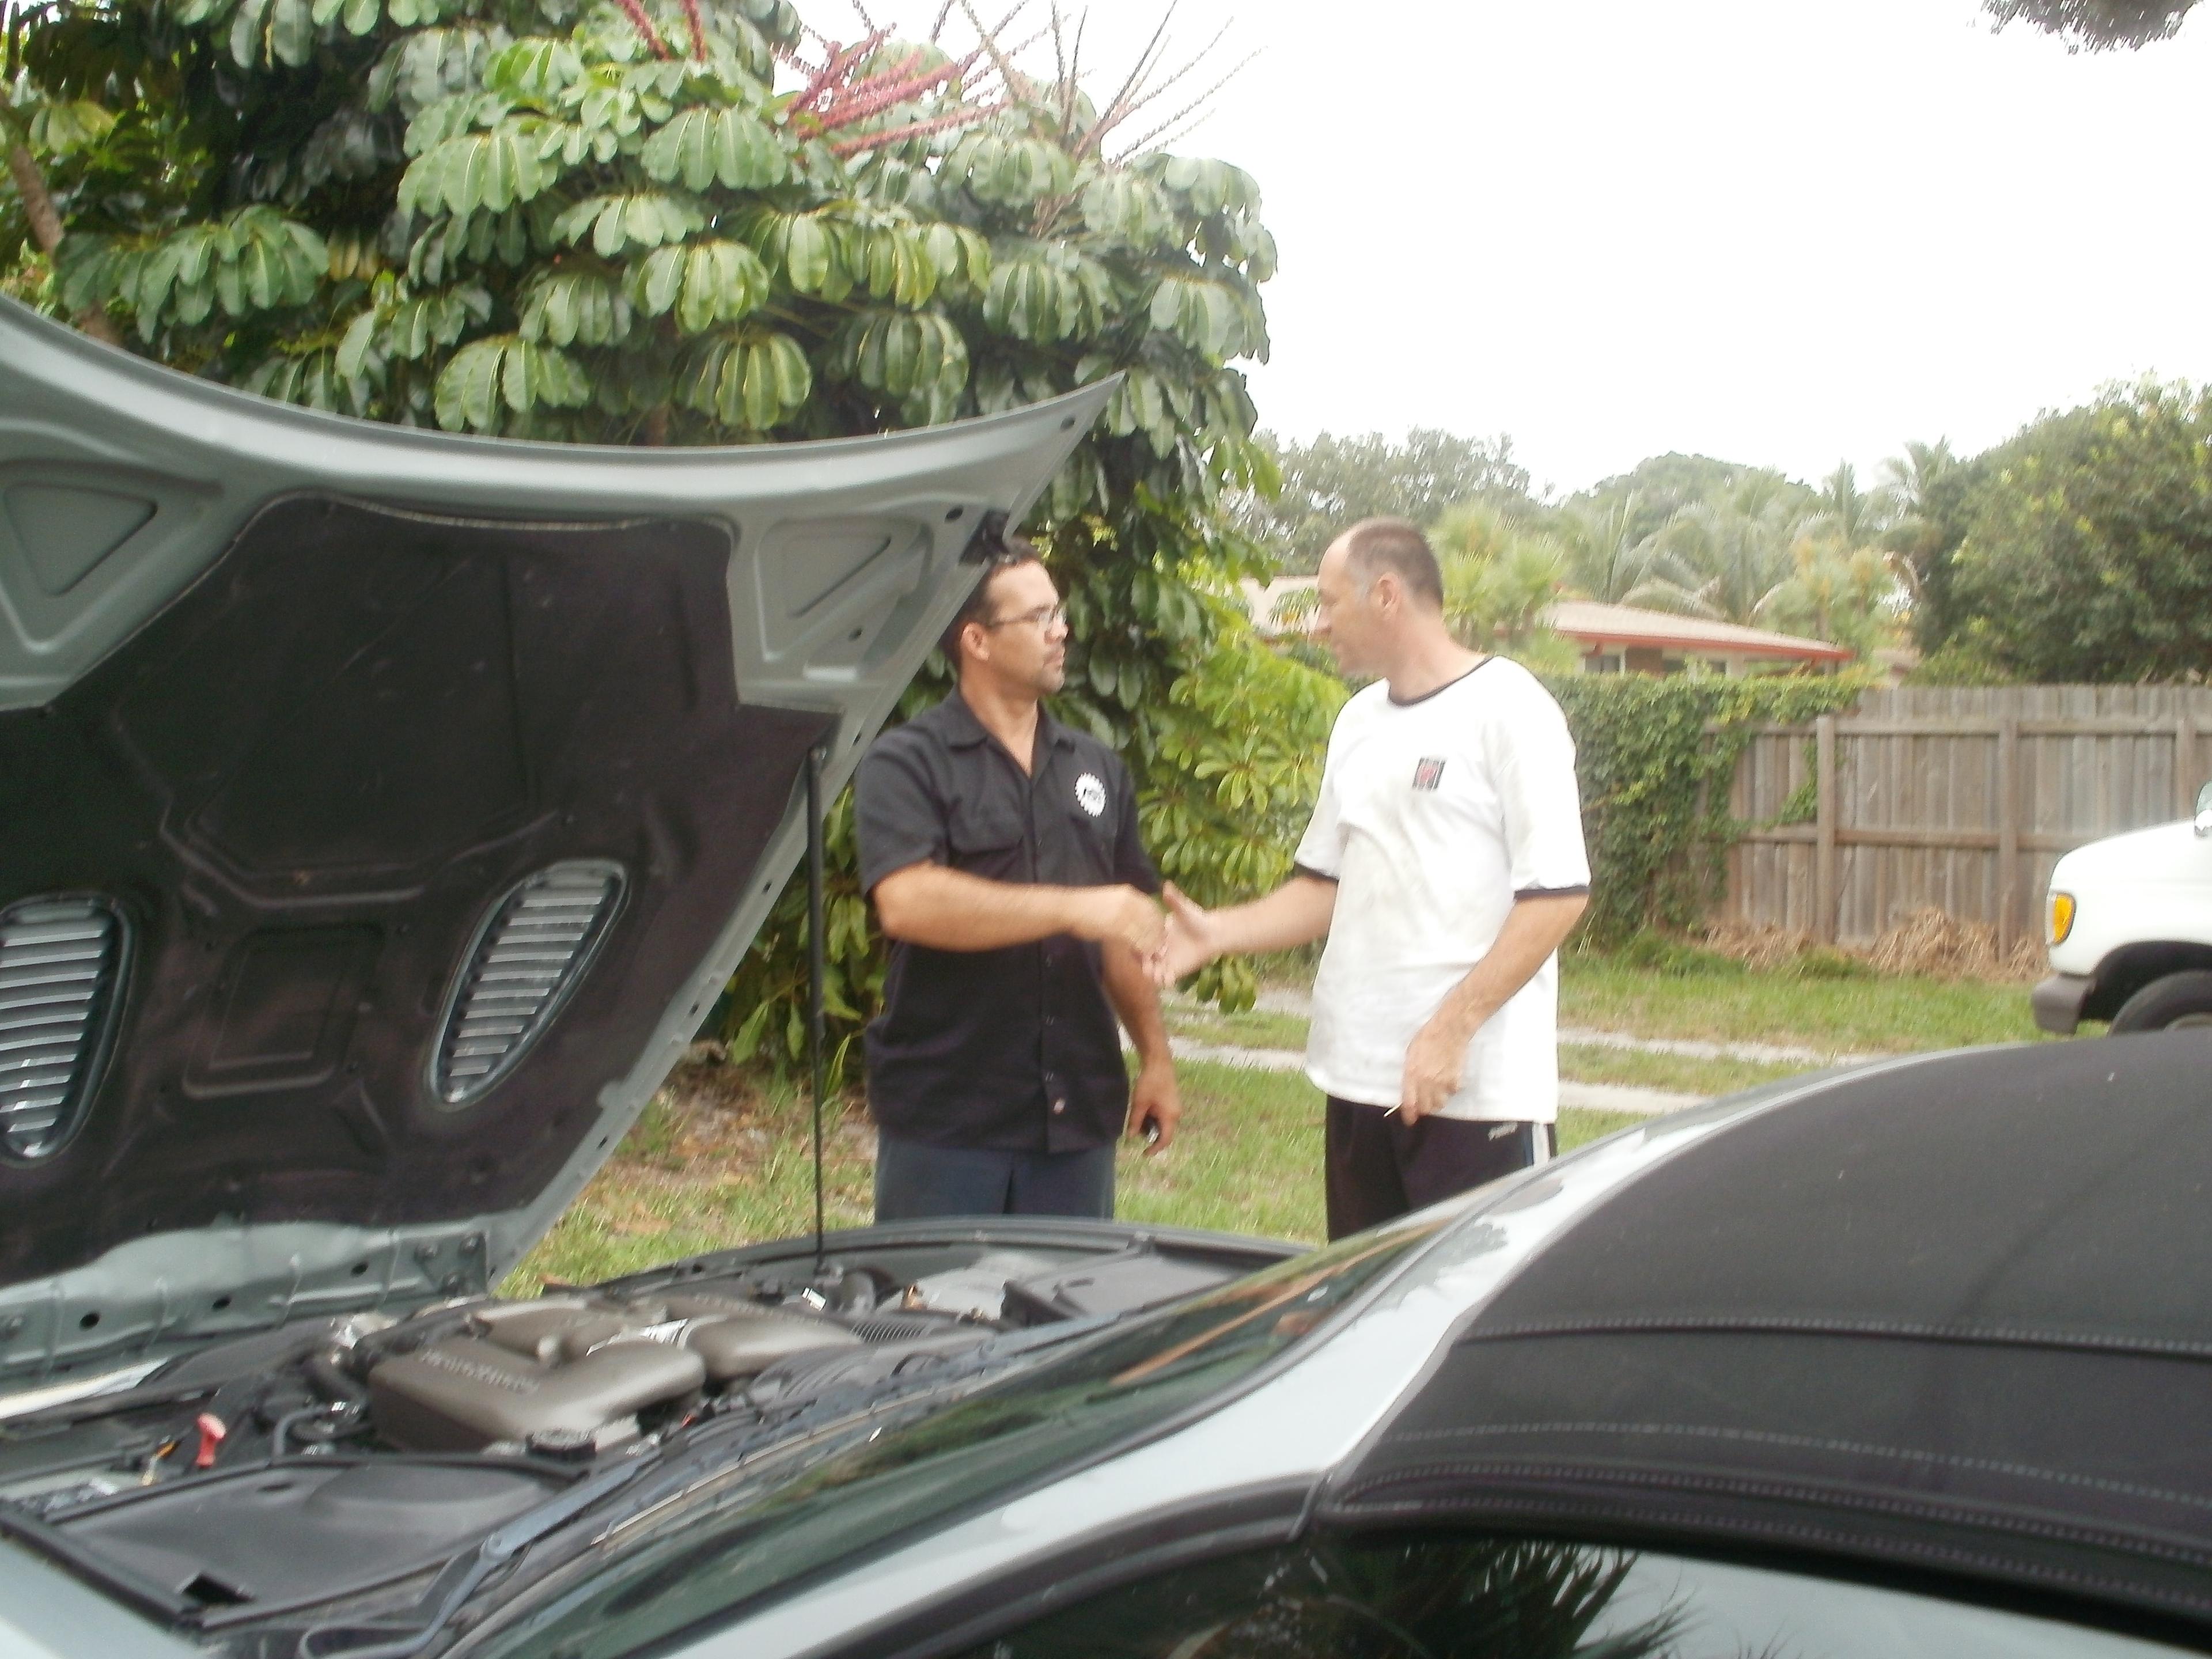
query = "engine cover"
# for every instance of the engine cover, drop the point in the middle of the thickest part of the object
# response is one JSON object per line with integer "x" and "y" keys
{"x": 579, "y": 1365}
{"x": 465, "y": 1393}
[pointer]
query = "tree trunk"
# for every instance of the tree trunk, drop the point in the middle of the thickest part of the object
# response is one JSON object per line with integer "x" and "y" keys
{"x": 655, "y": 430}
{"x": 47, "y": 226}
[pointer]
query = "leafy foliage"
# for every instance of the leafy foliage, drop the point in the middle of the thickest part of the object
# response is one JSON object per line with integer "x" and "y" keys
{"x": 606, "y": 221}
{"x": 2080, "y": 550}
{"x": 766, "y": 997}
{"x": 1655, "y": 757}
{"x": 1501, "y": 573}
{"x": 1644, "y": 498}
{"x": 2096, "y": 25}
{"x": 1740, "y": 545}
{"x": 1334, "y": 482}
{"x": 1240, "y": 756}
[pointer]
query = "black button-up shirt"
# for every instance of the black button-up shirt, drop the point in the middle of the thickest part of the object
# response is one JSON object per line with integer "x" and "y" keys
{"x": 1014, "y": 1048}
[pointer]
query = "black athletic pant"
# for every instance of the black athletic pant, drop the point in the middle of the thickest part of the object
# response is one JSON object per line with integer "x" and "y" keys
{"x": 1380, "y": 1166}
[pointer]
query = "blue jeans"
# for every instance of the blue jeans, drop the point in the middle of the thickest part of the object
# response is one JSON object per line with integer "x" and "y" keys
{"x": 916, "y": 1180}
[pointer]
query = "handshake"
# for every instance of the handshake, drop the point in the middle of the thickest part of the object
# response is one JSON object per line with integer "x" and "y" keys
{"x": 1172, "y": 942}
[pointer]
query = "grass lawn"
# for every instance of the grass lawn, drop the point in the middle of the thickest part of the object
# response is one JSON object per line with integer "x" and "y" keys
{"x": 1676, "y": 1073}
{"x": 717, "y": 1161}
{"x": 1864, "y": 1015}
{"x": 1255, "y": 1027}
{"x": 1726, "y": 1003}
{"x": 732, "y": 1166}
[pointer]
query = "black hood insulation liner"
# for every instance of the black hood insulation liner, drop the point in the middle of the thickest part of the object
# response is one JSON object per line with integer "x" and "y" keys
{"x": 367, "y": 776}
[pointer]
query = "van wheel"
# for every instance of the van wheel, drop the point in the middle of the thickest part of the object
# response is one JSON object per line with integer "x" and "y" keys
{"x": 2177, "y": 999}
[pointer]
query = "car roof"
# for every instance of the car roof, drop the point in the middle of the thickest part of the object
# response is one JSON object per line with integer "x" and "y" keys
{"x": 1949, "y": 1317}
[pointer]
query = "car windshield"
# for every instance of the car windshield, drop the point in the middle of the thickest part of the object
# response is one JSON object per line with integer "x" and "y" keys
{"x": 745, "y": 1535}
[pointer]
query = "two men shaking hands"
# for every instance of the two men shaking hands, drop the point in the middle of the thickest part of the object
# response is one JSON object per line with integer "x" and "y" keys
{"x": 1444, "y": 863}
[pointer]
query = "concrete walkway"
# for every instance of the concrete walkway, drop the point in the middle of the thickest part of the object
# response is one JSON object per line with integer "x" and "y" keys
{"x": 1281, "y": 999}
{"x": 1588, "y": 1096}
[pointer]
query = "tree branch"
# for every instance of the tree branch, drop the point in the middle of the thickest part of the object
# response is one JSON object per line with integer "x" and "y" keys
{"x": 46, "y": 225}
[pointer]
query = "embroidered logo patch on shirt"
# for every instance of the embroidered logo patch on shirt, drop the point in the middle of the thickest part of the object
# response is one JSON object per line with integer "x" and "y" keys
{"x": 1428, "y": 774}
{"x": 1091, "y": 793}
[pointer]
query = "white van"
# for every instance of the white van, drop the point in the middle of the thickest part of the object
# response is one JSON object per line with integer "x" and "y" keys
{"x": 2128, "y": 921}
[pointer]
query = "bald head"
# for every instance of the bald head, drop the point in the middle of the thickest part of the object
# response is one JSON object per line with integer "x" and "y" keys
{"x": 1375, "y": 546}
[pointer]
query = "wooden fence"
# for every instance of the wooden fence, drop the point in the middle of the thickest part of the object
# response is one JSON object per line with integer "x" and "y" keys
{"x": 1958, "y": 799}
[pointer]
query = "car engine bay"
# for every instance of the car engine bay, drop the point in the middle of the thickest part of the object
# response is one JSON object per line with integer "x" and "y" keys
{"x": 325, "y": 1460}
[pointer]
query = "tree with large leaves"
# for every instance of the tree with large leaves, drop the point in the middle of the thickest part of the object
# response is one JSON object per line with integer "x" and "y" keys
{"x": 2079, "y": 549}
{"x": 1723, "y": 560}
{"x": 1501, "y": 573}
{"x": 1746, "y": 545}
{"x": 1608, "y": 546}
{"x": 698, "y": 222}
{"x": 1913, "y": 535}
{"x": 1331, "y": 481}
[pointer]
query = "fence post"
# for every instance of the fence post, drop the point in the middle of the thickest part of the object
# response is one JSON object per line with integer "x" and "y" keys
{"x": 2185, "y": 762}
{"x": 2008, "y": 831}
{"x": 1824, "y": 818}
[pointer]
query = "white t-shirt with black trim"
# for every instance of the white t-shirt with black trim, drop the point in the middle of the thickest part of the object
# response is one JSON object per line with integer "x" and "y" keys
{"x": 1434, "y": 816}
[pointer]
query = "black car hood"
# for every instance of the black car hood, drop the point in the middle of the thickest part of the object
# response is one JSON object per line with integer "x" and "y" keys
{"x": 381, "y": 811}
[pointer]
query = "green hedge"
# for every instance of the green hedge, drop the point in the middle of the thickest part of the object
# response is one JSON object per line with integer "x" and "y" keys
{"x": 1656, "y": 758}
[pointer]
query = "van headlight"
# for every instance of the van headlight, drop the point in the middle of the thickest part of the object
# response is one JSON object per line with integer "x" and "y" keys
{"x": 2060, "y": 921}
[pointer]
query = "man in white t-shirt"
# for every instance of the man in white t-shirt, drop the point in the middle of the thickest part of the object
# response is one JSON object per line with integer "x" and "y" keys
{"x": 1444, "y": 860}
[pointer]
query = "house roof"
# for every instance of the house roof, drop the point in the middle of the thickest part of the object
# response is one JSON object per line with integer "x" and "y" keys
{"x": 1260, "y": 600}
{"x": 1594, "y": 623}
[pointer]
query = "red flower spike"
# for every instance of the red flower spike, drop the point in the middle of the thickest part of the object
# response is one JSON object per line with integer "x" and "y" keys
{"x": 958, "y": 118}
{"x": 643, "y": 24}
{"x": 841, "y": 59}
{"x": 865, "y": 100}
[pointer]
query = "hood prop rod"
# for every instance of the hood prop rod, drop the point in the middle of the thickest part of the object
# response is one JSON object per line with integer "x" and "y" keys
{"x": 816, "y": 969}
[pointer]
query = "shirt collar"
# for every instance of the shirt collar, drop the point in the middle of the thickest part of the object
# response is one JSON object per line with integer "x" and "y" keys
{"x": 961, "y": 730}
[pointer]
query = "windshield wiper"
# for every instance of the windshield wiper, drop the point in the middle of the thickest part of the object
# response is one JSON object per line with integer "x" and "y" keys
{"x": 464, "y": 1575}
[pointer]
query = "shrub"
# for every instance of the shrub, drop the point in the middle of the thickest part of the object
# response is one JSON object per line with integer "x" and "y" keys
{"x": 1654, "y": 758}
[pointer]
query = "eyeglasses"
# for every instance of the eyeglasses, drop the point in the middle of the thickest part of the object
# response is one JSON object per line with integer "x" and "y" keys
{"x": 1044, "y": 618}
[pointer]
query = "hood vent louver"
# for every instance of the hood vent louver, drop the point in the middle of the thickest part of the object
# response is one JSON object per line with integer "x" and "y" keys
{"x": 61, "y": 977}
{"x": 526, "y": 959}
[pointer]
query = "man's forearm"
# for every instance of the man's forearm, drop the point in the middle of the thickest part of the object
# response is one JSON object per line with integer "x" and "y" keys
{"x": 1536, "y": 927}
{"x": 1297, "y": 913}
{"x": 1136, "y": 1002}
{"x": 950, "y": 910}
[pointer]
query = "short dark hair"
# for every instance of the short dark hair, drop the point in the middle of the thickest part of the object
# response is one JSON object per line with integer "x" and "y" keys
{"x": 1004, "y": 554}
{"x": 1373, "y": 545}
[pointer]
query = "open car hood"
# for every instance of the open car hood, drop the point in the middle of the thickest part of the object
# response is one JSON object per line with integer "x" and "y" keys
{"x": 383, "y": 810}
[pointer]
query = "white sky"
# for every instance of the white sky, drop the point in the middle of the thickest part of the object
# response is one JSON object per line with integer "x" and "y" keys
{"x": 1772, "y": 231}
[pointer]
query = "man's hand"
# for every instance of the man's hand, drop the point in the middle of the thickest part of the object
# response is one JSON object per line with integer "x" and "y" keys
{"x": 1534, "y": 929}
{"x": 1154, "y": 1099}
{"x": 1123, "y": 914}
{"x": 1434, "y": 1062}
{"x": 1193, "y": 939}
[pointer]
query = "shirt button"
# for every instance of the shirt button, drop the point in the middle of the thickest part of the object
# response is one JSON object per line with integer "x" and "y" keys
{"x": 1058, "y": 1107}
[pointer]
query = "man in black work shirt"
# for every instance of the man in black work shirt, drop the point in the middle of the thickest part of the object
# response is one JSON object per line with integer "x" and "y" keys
{"x": 1002, "y": 850}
